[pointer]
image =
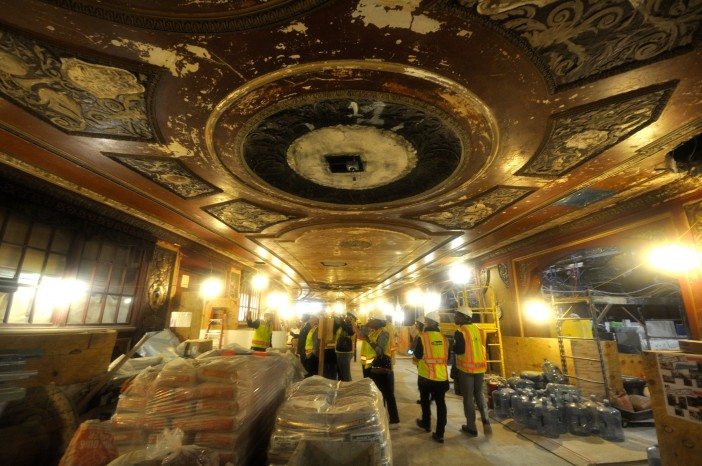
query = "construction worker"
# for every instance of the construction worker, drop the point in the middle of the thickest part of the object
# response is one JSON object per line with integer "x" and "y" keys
{"x": 376, "y": 348}
{"x": 312, "y": 347}
{"x": 343, "y": 333}
{"x": 263, "y": 331}
{"x": 469, "y": 347}
{"x": 431, "y": 357}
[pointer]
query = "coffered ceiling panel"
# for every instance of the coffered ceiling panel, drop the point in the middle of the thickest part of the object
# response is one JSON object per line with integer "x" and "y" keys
{"x": 343, "y": 145}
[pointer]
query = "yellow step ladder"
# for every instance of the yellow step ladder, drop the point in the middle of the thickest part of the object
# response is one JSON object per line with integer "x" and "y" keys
{"x": 489, "y": 320}
{"x": 216, "y": 325}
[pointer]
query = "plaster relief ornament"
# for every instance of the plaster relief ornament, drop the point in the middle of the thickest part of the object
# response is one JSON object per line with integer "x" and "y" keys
{"x": 245, "y": 217}
{"x": 72, "y": 94}
{"x": 581, "y": 40}
{"x": 169, "y": 173}
{"x": 582, "y": 133}
{"x": 471, "y": 213}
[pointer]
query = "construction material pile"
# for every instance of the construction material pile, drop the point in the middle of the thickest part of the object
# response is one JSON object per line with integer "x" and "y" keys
{"x": 318, "y": 409}
{"x": 223, "y": 403}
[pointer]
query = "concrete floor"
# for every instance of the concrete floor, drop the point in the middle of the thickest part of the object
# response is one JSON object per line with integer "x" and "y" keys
{"x": 413, "y": 446}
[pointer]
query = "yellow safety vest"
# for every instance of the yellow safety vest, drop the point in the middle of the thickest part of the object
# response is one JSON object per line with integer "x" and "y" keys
{"x": 309, "y": 341}
{"x": 368, "y": 353}
{"x": 262, "y": 335}
{"x": 473, "y": 361}
{"x": 432, "y": 366}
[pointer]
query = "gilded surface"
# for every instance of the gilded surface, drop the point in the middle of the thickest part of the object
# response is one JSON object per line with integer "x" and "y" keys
{"x": 245, "y": 217}
{"x": 158, "y": 284}
{"x": 170, "y": 174}
{"x": 476, "y": 210}
{"x": 580, "y": 39}
{"x": 73, "y": 95}
{"x": 580, "y": 134}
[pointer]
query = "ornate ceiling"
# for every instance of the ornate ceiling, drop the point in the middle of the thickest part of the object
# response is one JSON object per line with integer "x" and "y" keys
{"x": 346, "y": 144}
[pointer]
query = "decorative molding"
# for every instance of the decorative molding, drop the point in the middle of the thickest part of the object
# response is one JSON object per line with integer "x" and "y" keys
{"x": 582, "y": 133}
{"x": 475, "y": 211}
{"x": 171, "y": 174}
{"x": 503, "y": 271}
{"x": 637, "y": 204}
{"x": 245, "y": 217}
{"x": 694, "y": 218}
{"x": 672, "y": 139}
{"x": 184, "y": 20}
{"x": 586, "y": 40}
{"x": 75, "y": 96}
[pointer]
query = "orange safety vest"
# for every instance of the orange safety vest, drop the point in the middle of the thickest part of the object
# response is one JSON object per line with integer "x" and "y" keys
{"x": 473, "y": 361}
{"x": 432, "y": 366}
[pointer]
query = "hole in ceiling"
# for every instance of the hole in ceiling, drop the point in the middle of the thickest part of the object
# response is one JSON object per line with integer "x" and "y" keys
{"x": 584, "y": 197}
{"x": 345, "y": 163}
{"x": 333, "y": 263}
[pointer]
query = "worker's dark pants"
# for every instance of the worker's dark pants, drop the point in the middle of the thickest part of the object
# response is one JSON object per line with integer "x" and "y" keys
{"x": 437, "y": 391}
{"x": 330, "y": 369}
{"x": 312, "y": 365}
{"x": 343, "y": 362}
{"x": 386, "y": 385}
{"x": 472, "y": 391}
{"x": 366, "y": 371}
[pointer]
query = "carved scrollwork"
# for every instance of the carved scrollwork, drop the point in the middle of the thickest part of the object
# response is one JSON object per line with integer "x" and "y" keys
{"x": 74, "y": 95}
{"x": 159, "y": 278}
{"x": 471, "y": 213}
{"x": 503, "y": 271}
{"x": 582, "y": 133}
{"x": 245, "y": 217}
{"x": 585, "y": 39}
{"x": 169, "y": 173}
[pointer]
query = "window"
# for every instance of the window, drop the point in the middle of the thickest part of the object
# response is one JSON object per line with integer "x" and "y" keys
{"x": 55, "y": 276}
{"x": 249, "y": 300}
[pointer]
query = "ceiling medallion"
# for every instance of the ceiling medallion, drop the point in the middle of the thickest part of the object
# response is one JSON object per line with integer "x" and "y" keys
{"x": 370, "y": 134}
{"x": 404, "y": 149}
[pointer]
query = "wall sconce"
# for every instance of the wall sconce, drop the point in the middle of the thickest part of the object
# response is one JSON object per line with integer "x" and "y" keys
{"x": 211, "y": 287}
{"x": 538, "y": 311}
{"x": 674, "y": 258}
{"x": 259, "y": 282}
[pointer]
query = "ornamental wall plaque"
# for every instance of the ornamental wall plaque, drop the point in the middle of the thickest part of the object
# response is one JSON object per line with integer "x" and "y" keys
{"x": 169, "y": 173}
{"x": 76, "y": 96}
{"x": 245, "y": 217}
{"x": 475, "y": 211}
{"x": 582, "y": 40}
{"x": 582, "y": 133}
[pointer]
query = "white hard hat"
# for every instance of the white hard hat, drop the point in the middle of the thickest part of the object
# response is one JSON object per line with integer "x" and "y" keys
{"x": 465, "y": 310}
{"x": 377, "y": 315}
{"x": 433, "y": 315}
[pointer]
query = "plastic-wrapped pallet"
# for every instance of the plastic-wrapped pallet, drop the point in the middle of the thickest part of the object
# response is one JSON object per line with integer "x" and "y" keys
{"x": 318, "y": 409}
{"x": 226, "y": 403}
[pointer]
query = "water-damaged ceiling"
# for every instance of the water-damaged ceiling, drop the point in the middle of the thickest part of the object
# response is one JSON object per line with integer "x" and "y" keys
{"x": 349, "y": 144}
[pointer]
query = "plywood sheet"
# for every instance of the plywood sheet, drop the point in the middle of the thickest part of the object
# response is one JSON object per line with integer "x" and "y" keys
{"x": 67, "y": 357}
{"x": 528, "y": 353}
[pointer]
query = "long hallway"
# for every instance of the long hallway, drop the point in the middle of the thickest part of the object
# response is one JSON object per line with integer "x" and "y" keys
{"x": 504, "y": 446}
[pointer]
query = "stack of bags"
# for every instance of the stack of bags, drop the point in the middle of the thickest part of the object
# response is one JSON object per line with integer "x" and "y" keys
{"x": 225, "y": 403}
{"x": 318, "y": 409}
